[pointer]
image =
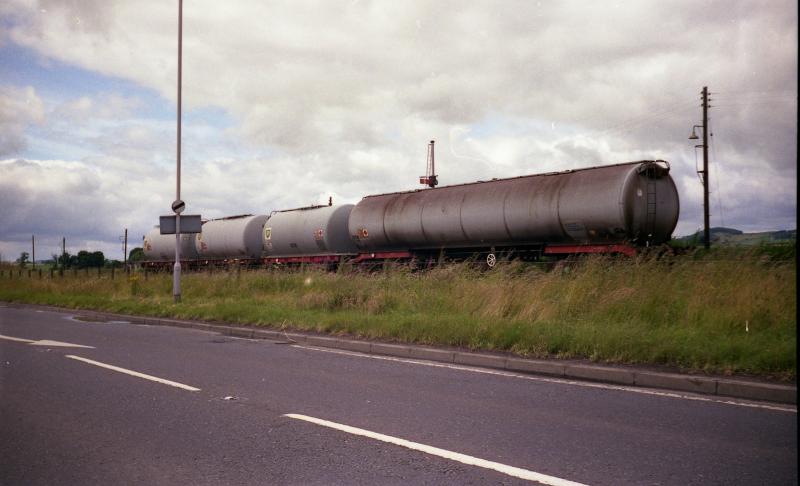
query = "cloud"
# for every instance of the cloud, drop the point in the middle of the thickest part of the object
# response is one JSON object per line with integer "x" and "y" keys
{"x": 19, "y": 108}
{"x": 102, "y": 106}
{"x": 293, "y": 101}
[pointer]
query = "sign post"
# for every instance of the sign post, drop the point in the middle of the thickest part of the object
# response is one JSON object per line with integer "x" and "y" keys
{"x": 176, "y": 271}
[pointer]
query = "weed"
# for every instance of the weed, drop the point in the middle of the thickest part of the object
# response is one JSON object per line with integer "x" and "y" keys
{"x": 717, "y": 311}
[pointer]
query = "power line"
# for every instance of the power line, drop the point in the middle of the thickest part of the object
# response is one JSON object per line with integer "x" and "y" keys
{"x": 637, "y": 121}
{"x": 751, "y": 103}
{"x": 716, "y": 174}
{"x": 757, "y": 91}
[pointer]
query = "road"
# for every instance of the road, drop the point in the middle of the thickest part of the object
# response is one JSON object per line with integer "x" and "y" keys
{"x": 238, "y": 411}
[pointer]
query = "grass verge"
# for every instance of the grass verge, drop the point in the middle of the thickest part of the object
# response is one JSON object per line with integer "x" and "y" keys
{"x": 719, "y": 313}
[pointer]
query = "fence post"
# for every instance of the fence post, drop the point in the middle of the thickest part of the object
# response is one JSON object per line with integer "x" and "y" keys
{"x": 40, "y": 274}
{"x": 51, "y": 273}
{"x": 29, "y": 273}
{"x": 98, "y": 271}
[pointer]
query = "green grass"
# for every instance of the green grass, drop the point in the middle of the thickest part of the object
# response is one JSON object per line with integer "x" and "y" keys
{"x": 720, "y": 312}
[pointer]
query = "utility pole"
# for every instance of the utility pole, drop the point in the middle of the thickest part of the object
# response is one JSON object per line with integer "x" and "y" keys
{"x": 704, "y": 172}
{"x": 707, "y": 231}
{"x": 33, "y": 251}
{"x": 125, "y": 249}
{"x": 63, "y": 253}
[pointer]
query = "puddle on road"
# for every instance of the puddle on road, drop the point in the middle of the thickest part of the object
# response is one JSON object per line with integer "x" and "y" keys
{"x": 99, "y": 320}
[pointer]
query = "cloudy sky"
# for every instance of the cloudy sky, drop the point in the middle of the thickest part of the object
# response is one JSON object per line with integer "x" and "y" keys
{"x": 289, "y": 102}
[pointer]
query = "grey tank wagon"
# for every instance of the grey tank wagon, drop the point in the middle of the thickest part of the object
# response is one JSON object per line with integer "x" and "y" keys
{"x": 634, "y": 203}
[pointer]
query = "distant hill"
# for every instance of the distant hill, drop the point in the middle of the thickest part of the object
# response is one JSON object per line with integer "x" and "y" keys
{"x": 734, "y": 237}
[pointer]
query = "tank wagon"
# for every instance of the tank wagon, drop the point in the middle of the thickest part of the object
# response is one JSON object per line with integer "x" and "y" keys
{"x": 161, "y": 248}
{"x": 314, "y": 234}
{"x": 606, "y": 209}
{"x": 598, "y": 209}
{"x": 231, "y": 238}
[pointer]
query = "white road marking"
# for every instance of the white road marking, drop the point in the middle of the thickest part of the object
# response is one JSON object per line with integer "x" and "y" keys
{"x": 58, "y": 344}
{"x": 45, "y": 342}
{"x": 453, "y": 456}
{"x": 9, "y": 338}
{"x": 586, "y": 384}
{"x": 134, "y": 373}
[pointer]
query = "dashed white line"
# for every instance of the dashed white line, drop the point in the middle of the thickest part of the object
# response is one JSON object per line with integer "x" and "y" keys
{"x": 586, "y": 384}
{"x": 134, "y": 373}
{"x": 58, "y": 344}
{"x": 453, "y": 456}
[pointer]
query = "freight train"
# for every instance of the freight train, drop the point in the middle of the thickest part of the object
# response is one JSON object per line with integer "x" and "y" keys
{"x": 605, "y": 209}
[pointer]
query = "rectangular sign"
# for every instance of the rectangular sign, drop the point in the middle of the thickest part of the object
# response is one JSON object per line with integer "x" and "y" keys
{"x": 190, "y": 223}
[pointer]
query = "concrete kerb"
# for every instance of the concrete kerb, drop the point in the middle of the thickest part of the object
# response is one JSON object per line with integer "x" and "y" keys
{"x": 707, "y": 386}
{"x": 600, "y": 373}
{"x": 607, "y": 374}
{"x": 757, "y": 391}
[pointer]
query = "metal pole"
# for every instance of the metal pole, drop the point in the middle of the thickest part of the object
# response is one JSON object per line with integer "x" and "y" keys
{"x": 176, "y": 273}
{"x": 707, "y": 231}
{"x": 125, "y": 250}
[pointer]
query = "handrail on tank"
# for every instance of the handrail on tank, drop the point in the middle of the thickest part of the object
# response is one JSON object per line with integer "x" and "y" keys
{"x": 238, "y": 216}
{"x": 304, "y": 208}
{"x": 543, "y": 174}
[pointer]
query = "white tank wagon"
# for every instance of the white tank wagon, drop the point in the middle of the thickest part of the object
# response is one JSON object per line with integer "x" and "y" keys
{"x": 315, "y": 230}
{"x": 233, "y": 237}
{"x": 158, "y": 247}
{"x": 634, "y": 203}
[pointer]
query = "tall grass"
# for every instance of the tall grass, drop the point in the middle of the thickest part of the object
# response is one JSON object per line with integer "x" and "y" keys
{"x": 717, "y": 313}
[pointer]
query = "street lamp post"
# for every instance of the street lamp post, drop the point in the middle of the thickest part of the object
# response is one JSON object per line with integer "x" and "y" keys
{"x": 176, "y": 272}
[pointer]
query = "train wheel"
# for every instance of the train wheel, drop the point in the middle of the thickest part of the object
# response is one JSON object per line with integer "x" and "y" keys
{"x": 491, "y": 260}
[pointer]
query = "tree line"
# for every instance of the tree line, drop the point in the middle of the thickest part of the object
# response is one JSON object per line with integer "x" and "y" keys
{"x": 83, "y": 259}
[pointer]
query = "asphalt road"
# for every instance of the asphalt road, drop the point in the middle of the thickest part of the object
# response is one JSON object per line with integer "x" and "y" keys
{"x": 66, "y": 420}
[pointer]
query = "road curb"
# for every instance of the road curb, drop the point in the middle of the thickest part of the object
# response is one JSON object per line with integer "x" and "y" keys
{"x": 723, "y": 387}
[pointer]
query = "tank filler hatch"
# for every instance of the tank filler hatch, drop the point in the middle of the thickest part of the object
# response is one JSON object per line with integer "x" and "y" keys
{"x": 429, "y": 179}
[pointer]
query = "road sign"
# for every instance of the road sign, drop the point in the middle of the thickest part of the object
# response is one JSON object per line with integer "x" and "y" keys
{"x": 189, "y": 224}
{"x": 178, "y": 206}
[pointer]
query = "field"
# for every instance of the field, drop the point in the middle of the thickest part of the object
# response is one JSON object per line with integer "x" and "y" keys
{"x": 726, "y": 311}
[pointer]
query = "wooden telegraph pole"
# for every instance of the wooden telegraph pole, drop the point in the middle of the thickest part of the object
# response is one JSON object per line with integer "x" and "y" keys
{"x": 704, "y": 172}
{"x": 706, "y": 218}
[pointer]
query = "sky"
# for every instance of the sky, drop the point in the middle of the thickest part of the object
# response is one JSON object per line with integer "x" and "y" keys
{"x": 287, "y": 103}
